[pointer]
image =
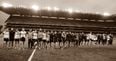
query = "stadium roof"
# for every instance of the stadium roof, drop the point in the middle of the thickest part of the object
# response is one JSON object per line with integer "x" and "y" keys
{"x": 51, "y": 13}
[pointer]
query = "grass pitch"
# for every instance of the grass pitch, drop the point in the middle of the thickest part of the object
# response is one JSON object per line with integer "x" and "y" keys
{"x": 76, "y": 54}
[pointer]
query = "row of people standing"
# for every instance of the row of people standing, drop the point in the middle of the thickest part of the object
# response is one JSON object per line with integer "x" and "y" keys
{"x": 52, "y": 38}
{"x": 70, "y": 38}
{"x": 13, "y": 37}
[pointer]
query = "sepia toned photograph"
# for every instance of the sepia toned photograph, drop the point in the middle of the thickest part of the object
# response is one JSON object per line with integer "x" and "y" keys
{"x": 57, "y": 30}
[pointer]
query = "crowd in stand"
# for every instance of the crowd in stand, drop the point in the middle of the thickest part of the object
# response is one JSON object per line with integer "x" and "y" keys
{"x": 51, "y": 39}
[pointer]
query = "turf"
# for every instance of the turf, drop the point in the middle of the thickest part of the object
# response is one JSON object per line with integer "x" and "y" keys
{"x": 14, "y": 54}
{"x": 68, "y": 54}
{"x": 76, "y": 54}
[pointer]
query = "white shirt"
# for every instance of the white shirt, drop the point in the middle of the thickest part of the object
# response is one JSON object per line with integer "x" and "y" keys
{"x": 77, "y": 36}
{"x": 89, "y": 36}
{"x": 34, "y": 35}
{"x": 23, "y": 33}
{"x": 44, "y": 36}
{"x": 30, "y": 35}
{"x": 47, "y": 37}
{"x": 40, "y": 34}
{"x": 104, "y": 36}
{"x": 108, "y": 37}
{"x": 6, "y": 34}
{"x": 94, "y": 37}
{"x": 17, "y": 35}
{"x": 64, "y": 35}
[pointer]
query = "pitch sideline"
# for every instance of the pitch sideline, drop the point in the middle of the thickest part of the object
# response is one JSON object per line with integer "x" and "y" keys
{"x": 31, "y": 56}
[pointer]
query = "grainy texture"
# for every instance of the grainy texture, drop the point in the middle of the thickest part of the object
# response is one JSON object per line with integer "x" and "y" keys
{"x": 14, "y": 55}
{"x": 76, "y": 54}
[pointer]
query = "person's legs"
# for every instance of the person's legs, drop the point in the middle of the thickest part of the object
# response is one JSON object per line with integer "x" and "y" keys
{"x": 88, "y": 42}
{"x": 99, "y": 41}
{"x": 6, "y": 42}
{"x": 32, "y": 43}
{"x": 12, "y": 42}
{"x": 23, "y": 41}
{"x": 40, "y": 40}
{"x": 103, "y": 42}
{"x": 110, "y": 42}
{"x": 29, "y": 43}
{"x": 15, "y": 43}
{"x": 76, "y": 42}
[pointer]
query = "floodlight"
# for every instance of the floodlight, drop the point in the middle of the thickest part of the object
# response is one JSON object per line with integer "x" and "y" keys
{"x": 7, "y": 5}
{"x": 35, "y": 7}
{"x": 77, "y": 11}
{"x": 69, "y": 10}
{"x": 48, "y": 8}
{"x": 56, "y": 9}
{"x": 106, "y": 14}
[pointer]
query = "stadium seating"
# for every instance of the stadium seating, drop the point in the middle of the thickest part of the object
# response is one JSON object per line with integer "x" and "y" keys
{"x": 59, "y": 22}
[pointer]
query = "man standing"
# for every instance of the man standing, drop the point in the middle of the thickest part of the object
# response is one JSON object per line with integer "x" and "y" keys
{"x": 59, "y": 38}
{"x": 63, "y": 38}
{"x": 51, "y": 38}
{"x": 44, "y": 39}
{"x": 23, "y": 36}
{"x": 104, "y": 39}
{"x": 30, "y": 42}
{"x": 99, "y": 38}
{"x": 110, "y": 39}
{"x": 69, "y": 38}
{"x": 6, "y": 37}
{"x": 11, "y": 37}
{"x": 47, "y": 38}
{"x": 34, "y": 38}
{"x": 77, "y": 39}
{"x": 40, "y": 36}
{"x": 17, "y": 38}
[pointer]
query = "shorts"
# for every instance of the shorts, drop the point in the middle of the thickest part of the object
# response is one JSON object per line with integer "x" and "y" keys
{"x": 51, "y": 40}
{"x": 59, "y": 40}
{"x": 16, "y": 39}
{"x": 29, "y": 40}
{"x": 11, "y": 39}
{"x": 35, "y": 40}
{"x": 54, "y": 40}
{"x": 6, "y": 39}
{"x": 73, "y": 40}
{"x": 23, "y": 39}
{"x": 48, "y": 41}
{"x": 87, "y": 40}
{"x": 40, "y": 39}
{"x": 69, "y": 40}
{"x": 44, "y": 40}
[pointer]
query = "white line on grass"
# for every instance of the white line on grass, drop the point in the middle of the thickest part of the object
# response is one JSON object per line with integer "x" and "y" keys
{"x": 31, "y": 56}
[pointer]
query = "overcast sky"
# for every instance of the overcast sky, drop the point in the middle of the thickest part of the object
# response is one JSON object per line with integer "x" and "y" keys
{"x": 82, "y": 5}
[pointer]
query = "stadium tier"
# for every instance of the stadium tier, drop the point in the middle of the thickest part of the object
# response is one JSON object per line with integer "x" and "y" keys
{"x": 58, "y": 20}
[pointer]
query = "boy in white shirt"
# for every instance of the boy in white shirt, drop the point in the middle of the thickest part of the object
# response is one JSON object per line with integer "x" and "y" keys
{"x": 17, "y": 37}
{"x": 40, "y": 36}
{"x": 23, "y": 36}
{"x": 30, "y": 41}
{"x": 47, "y": 38}
{"x": 6, "y": 37}
{"x": 34, "y": 38}
{"x": 44, "y": 38}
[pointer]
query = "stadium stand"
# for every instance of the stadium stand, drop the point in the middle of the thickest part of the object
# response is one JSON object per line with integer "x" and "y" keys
{"x": 60, "y": 20}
